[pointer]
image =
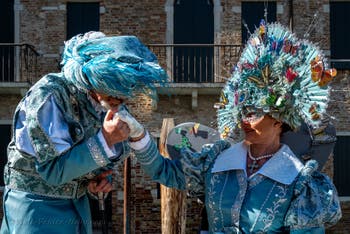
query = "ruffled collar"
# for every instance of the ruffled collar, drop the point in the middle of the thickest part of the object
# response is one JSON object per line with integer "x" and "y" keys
{"x": 283, "y": 167}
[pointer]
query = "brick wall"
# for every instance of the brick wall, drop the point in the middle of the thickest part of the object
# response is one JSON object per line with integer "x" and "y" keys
{"x": 145, "y": 209}
{"x": 146, "y": 19}
{"x": 339, "y": 105}
{"x": 8, "y": 105}
{"x": 43, "y": 24}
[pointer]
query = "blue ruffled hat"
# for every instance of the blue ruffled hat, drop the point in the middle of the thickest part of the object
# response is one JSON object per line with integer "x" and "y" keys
{"x": 277, "y": 74}
{"x": 116, "y": 66}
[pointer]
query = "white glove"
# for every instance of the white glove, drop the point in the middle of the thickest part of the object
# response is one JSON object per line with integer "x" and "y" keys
{"x": 136, "y": 129}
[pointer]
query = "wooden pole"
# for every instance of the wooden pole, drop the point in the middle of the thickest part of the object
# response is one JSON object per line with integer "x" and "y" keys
{"x": 173, "y": 201}
{"x": 127, "y": 175}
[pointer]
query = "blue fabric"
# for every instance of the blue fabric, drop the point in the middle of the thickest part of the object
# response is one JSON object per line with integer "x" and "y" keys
{"x": 316, "y": 230}
{"x": 28, "y": 213}
{"x": 117, "y": 66}
{"x": 68, "y": 166}
{"x": 46, "y": 179}
{"x": 161, "y": 169}
{"x": 316, "y": 200}
{"x": 275, "y": 168}
{"x": 261, "y": 203}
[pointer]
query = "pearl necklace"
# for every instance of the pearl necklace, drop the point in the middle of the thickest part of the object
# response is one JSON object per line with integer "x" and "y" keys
{"x": 255, "y": 165}
{"x": 258, "y": 158}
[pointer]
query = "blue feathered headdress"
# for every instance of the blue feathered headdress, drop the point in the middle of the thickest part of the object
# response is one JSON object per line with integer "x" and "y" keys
{"x": 116, "y": 66}
{"x": 277, "y": 74}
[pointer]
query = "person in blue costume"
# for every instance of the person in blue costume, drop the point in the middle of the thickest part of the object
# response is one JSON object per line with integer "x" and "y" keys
{"x": 306, "y": 144}
{"x": 258, "y": 185}
{"x": 66, "y": 138}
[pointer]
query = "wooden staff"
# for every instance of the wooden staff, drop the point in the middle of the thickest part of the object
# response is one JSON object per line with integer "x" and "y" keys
{"x": 127, "y": 183}
{"x": 173, "y": 201}
{"x": 101, "y": 206}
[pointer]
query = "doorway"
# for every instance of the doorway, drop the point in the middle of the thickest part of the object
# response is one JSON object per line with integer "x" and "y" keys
{"x": 82, "y": 17}
{"x": 252, "y": 13}
{"x": 7, "y": 62}
{"x": 5, "y": 138}
{"x": 193, "y": 35}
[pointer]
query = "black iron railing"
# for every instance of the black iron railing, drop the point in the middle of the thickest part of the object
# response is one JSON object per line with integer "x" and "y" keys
{"x": 18, "y": 62}
{"x": 197, "y": 63}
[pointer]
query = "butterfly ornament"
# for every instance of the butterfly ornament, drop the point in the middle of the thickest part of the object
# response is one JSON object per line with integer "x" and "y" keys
{"x": 320, "y": 74}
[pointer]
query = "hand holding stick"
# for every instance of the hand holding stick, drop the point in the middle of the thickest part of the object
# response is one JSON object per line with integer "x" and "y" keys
{"x": 101, "y": 186}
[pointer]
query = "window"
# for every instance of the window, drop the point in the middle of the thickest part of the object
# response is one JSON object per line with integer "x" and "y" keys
{"x": 340, "y": 35}
{"x": 7, "y": 21}
{"x": 193, "y": 24}
{"x": 5, "y": 138}
{"x": 342, "y": 165}
{"x": 82, "y": 18}
{"x": 7, "y": 62}
{"x": 253, "y": 12}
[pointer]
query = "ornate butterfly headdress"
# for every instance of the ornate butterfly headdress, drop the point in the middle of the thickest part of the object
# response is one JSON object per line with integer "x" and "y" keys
{"x": 277, "y": 74}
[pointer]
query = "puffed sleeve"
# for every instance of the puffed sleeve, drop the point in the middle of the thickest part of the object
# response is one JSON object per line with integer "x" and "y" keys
{"x": 195, "y": 165}
{"x": 315, "y": 204}
{"x": 187, "y": 172}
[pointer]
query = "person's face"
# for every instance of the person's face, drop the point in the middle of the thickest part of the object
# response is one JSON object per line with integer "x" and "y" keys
{"x": 260, "y": 129}
{"x": 108, "y": 102}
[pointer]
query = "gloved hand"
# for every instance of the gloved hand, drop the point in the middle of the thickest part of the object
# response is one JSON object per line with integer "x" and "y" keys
{"x": 136, "y": 129}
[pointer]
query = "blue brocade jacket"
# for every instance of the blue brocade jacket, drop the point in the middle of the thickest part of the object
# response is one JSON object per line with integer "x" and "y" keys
{"x": 50, "y": 162}
{"x": 284, "y": 196}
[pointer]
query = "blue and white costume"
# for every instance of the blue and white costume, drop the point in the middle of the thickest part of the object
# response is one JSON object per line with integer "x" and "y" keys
{"x": 282, "y": 196}
{"x": 57, "y": 144}
{"x": 284, "y": 78}
{"x": 57, "y": 147}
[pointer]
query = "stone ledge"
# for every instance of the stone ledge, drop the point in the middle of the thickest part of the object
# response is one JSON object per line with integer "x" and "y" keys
{"x": 14, "y": 87}
{"x": 189, "y": 88}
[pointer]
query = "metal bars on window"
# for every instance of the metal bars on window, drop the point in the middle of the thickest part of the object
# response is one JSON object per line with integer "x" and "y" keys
{"x": 18, "y": 62}
{"x": 197, "y": 63}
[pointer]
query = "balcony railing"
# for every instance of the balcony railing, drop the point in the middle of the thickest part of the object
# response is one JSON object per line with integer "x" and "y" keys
{"x": 340, "y": 64}
{"x": 197, "y": 63}
{"x": 18, "y": 63}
